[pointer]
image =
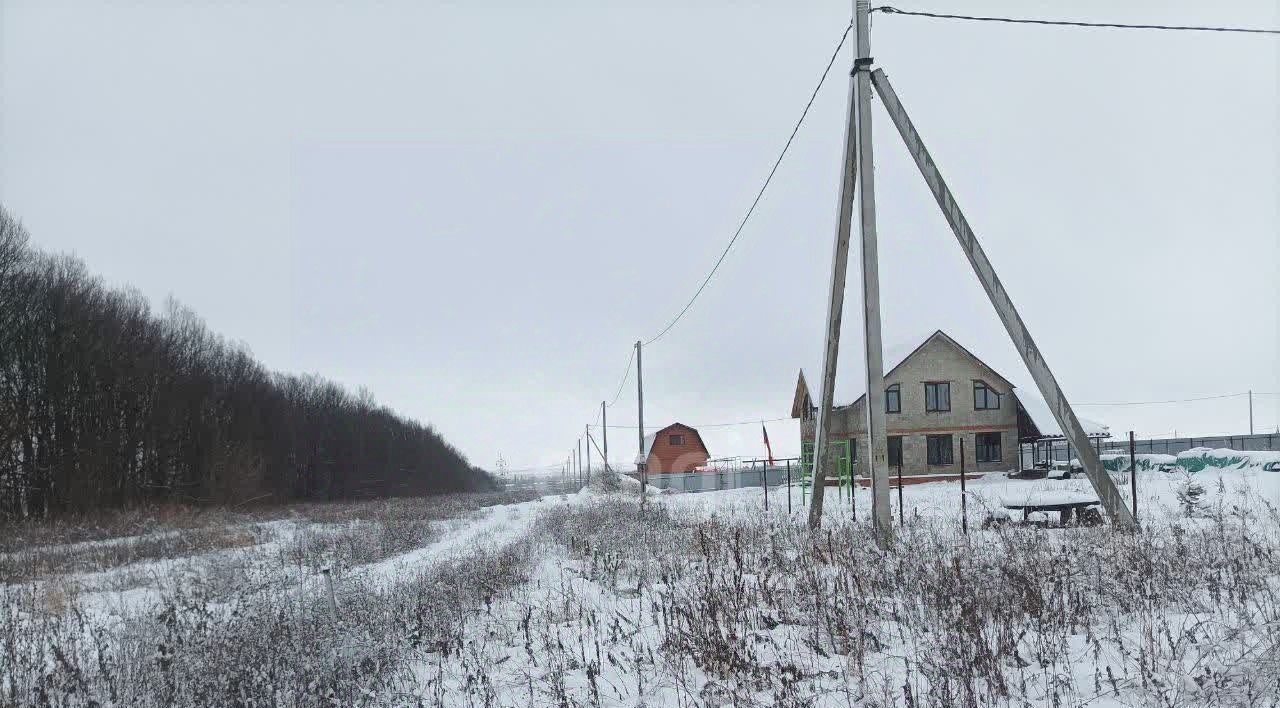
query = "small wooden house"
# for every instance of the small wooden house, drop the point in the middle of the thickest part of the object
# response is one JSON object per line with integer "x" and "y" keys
{"x": 675, "y": 448}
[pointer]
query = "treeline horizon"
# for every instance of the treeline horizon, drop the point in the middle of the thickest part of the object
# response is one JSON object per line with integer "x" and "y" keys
{"x": 106, "y": 404}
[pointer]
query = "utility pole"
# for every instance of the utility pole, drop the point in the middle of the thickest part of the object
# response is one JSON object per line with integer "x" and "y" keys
{"x": 1251, "y": 411}
{"x": 1106, "y": 489}
{"x": 835, "y": 310}
{"x": 880, "y": 512}
{"x": 604, "y": 433}
{"x": 586, "y": 431}
{"x": 640, "y": 461}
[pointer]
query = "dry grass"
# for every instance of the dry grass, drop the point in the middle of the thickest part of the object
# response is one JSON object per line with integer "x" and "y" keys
{"x": 92, "y": 557}
{"x": 267, "y": 643}
{"x": 758, "y": 611}
{"x": 252, "y": 626}
{"x": 728, "y": 610}
{"x": 17, "y": 535}
{"x": 374, "y": 530}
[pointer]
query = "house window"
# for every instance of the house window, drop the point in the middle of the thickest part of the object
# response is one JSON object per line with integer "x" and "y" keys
{"x": 893, "y": 399}
{"x": 676, "y": 440}
{"x": 937, "y": 396}
{"x": 939, "y": 449}
{"x": 987, "y": 447}
{"x": 985, "y": 398}
{"x": 895, "y": 450}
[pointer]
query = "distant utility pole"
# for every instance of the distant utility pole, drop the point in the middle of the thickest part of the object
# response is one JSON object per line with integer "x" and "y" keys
{"x": 604, "y": 434}
{"x": 586, "y": 430}
{"x": 579, "y": 453}
{"x": 640, "y": 462}
{"x": 1251, "y": 411}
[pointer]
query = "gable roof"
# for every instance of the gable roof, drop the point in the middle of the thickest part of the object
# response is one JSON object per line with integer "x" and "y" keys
{"x": 643, "y": 456}
{"x": 894, "y": 356}
{"x": 801, "y": 398}
{"x": 1029, "y": 400}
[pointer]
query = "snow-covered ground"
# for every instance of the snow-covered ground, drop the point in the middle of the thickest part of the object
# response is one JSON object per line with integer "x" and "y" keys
{"x": 1157, "y": 494}
{"x": 691, "y": 599}
{"x": 621, "y": 612}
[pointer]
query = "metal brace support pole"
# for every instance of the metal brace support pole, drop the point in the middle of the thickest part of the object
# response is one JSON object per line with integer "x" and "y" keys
{"x": 1013, "y": 324}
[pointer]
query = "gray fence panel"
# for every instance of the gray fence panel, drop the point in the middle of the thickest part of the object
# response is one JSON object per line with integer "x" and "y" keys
{"x": 715, "y": 480}
{"x": 1030, "y": 453}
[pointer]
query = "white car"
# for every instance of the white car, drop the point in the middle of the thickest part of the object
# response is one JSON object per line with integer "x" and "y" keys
{"x": 1067, "y": 470}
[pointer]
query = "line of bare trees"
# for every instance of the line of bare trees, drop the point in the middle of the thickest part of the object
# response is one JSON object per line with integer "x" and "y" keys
{"x": 104, "y": 403}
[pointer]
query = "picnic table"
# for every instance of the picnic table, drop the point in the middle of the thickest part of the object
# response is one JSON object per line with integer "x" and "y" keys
{"x": 1068, "y": 504}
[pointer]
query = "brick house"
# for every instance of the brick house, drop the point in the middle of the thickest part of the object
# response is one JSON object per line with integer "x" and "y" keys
{"x": 935, "y": 395}
{"x": 675, "y": 448}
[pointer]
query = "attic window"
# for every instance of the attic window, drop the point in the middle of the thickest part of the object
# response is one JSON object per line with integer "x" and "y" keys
{"x": 985, "y": 398}
{"x": 676, "y": 440}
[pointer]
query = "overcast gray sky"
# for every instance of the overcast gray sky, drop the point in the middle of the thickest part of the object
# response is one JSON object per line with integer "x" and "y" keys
{"x": 474, "y": 209}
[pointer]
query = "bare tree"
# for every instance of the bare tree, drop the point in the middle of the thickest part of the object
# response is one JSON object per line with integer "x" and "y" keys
{"x": 104, "y": 403}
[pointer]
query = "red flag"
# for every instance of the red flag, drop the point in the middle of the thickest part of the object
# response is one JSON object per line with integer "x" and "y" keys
{"x": 767, "y": 447}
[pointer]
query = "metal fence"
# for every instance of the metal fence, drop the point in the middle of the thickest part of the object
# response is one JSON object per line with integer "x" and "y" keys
{"x": 755, "y": 473}
{"x": 1060, "y": 451}
{"x": 1172, "y": 446}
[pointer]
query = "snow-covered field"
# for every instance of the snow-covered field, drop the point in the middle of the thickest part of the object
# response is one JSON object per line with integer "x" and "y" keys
{"x": 690, "y": 599}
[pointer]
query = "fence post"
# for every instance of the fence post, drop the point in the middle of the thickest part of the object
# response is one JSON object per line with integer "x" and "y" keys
{"x": 764, "y": 482}
{"x": 853, "y": 476}
{"x": 964, "y": 502}
{"x": 902, "y": 519}
{"x": 1133, "y": 477}
{"x": 788, "y": 487}
{"x": 853, "y": 508}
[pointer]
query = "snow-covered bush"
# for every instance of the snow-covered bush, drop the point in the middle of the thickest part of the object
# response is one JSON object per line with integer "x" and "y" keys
{"x": 1190, "y": 495}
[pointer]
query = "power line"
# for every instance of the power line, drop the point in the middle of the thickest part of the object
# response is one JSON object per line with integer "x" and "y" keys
{"x": 889, "y": 10}
{"x": 1176, "y": 400}
{"x": 759, "y": 194}
{"x": 753, "y": 421}
{"x": 625, "y": 375}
